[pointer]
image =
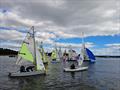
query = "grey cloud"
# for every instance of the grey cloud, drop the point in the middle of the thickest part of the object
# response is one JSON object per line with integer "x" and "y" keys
{"x": 72, "y": 13}
{"x": 70, "y": 16}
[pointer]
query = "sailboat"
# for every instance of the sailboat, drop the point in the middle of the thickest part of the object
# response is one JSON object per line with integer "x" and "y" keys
{"x": 87, "y": 54}
{"x": 78, "y": 68}
{"x": 43, "y": 54}
{"x": 29, "y": 56}
{"x": 80, "y": 63}
{"x": 55, "y": 56}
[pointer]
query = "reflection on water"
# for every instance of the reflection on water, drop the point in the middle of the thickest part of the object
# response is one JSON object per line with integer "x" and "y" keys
{"x": 73, "y": 75}
{"x": 103, "y": 75}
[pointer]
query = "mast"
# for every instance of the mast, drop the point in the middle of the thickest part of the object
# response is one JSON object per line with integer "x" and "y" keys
{"x": 41, "y": 48}
{"x": 34, "y": 45}
{"x": 83, "y": 45}
{"x": 83, "y": 39}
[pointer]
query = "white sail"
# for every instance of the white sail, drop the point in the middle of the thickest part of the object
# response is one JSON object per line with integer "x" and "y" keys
{"x": 39, "y": 62}
{"x": 42, "y": 53}
{"x": 81, "y": 57}
{"x": 70, "y": 52}
{"x": 56, "y": 53}
{"x": 60, "y": 53}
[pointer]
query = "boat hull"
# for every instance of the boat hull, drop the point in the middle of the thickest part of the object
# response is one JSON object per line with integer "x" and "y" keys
{"x": 55, "y": 61}
{"x": 26, "y": 74}
{"x": 45, "y": 63}
{"x": 76, "y": 69}
{"x": 71, "y": 60}
{"x": 89, "y": 61}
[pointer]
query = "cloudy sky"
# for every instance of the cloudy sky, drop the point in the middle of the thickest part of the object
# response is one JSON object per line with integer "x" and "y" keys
{"x": 61, "y": 22}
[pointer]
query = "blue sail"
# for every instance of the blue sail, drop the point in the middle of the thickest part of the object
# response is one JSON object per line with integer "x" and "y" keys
{"x": 90, "y": 55}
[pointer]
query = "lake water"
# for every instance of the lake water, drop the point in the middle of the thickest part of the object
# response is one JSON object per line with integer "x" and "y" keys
{"x": 103, "y": 75}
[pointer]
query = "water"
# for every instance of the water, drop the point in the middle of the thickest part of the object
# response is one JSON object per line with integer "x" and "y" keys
{"x": 103, "y": 75}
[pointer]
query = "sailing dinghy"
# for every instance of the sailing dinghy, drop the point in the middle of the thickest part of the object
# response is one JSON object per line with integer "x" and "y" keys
{"x": 76, "y": 69}
{"x": 79, "y": 67}
{"x": 80, "y": 63}
{"x": 29, "y": 56}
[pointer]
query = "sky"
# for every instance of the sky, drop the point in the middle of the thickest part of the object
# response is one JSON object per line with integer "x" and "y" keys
{"x": 61, "y": 23}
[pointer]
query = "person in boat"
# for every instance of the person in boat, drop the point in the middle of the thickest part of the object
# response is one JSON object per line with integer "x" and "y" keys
{"x": 72, "y": 66}
{"x": 77, "y": 57}
{"x": 65, "y": 57}
{"x": 22, "y": 69}
{"x": 29, "y": 68}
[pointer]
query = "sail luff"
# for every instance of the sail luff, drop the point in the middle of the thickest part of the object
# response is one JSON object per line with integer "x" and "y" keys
{"x": 34, "y": 45}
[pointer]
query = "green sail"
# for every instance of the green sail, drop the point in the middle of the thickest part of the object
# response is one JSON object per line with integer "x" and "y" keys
{"x": 25, "y": 53}
{"x": 43, "y": 55}
{"x": 54, "y": 56}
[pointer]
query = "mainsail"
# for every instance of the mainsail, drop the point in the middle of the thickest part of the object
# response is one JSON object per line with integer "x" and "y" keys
{"x": 43, "y": 54}
{"x": 83, "y": 55}
{"x": 54, "y": 55}
{"x": 40, "y": 65}
{"x": 57, "y": 53}
{"x": 60, "y": 53}
{"x": 86, "y": 54}
{"x": 70, "y": 52}
{"x": 26, "y": 53}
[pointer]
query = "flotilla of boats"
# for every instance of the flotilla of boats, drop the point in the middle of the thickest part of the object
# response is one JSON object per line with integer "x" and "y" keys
{"x": 32, "y": 59}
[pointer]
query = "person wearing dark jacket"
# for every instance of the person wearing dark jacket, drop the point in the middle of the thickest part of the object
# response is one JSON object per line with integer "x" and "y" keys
{"x": 22, "y": 69}
{"x": 72, "y": 66}
{"x": 29, "y": 68}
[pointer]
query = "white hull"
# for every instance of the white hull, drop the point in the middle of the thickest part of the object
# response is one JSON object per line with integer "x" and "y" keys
{"x": 25, "y": 74}
{"x": 75, "y": 70}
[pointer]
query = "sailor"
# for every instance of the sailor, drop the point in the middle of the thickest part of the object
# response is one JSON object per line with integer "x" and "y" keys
{"x": 22, "y": 69}
{"x": 77, "y": 57}
{"x": 29, "y": 68}
{"x": 72, "y": 66}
